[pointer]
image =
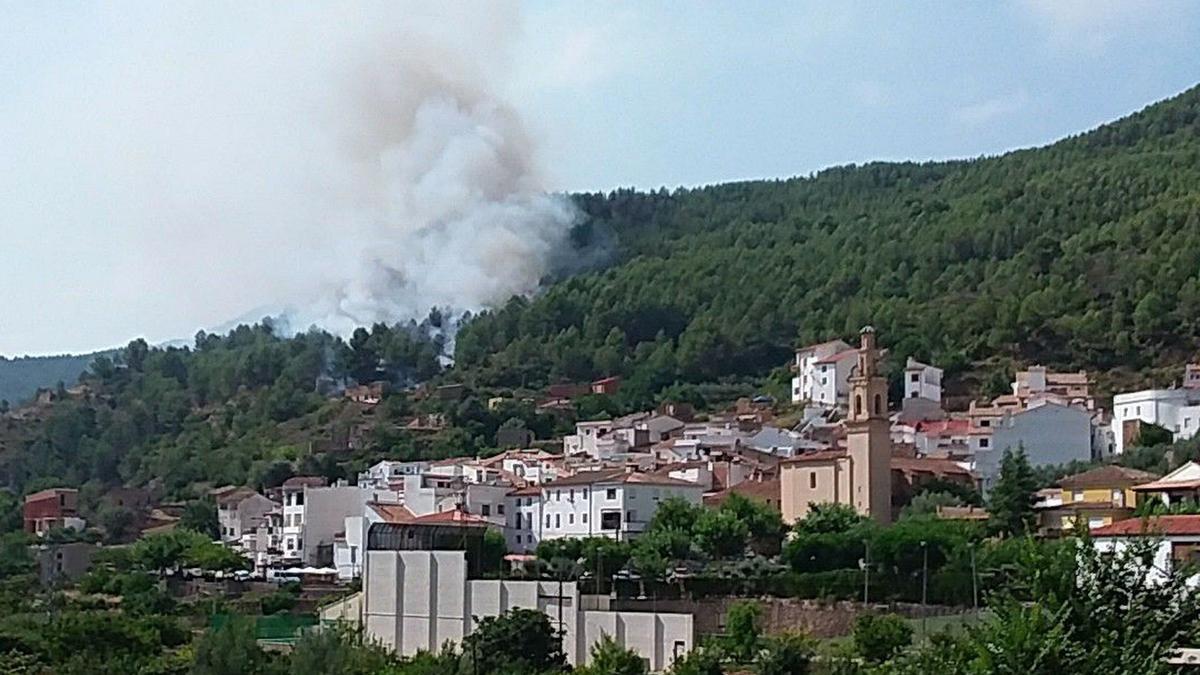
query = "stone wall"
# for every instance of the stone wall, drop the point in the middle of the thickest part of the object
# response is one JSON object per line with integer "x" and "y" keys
{"x": 819, "y": 619}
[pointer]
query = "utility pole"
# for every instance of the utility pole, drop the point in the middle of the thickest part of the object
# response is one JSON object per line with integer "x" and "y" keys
{"x": 867, "y": 572}
{"x": 924, "y": 590}
{"x": 974, "y": 583}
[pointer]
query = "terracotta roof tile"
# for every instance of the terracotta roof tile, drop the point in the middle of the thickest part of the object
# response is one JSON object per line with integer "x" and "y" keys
{"x": 1156, "y": 526}
{"x": 1108, "y": 476}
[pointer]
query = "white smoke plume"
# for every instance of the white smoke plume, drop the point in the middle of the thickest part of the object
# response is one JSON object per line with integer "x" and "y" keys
{"x": 337, "y": 165}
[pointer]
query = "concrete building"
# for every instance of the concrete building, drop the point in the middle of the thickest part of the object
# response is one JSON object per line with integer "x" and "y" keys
{"x": 1176, "y": 410}
{"x": 390, "y": 474}
{"x": 822, "y": 374}
{"x": 523, "y": 531}
{"x": 1036, "y": 381}
{"x": 613, "y": 503}
{"x": 1050, "y": 433}
{"x": 294, "y": 490}
{"x": 1181, "y": 486}
{"x": 922, "y": 381}
{"x": 325, "y": 510}
{"x": 63, "y": 562}
{"x": 239, "y": 511}
{"x": 420, "y": 600}
{"x": 860, "y": 474}
{"x": 53, "y": 509}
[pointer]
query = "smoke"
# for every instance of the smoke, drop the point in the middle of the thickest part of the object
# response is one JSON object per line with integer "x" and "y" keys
{"x": 332, "y": 166}
{"x": 446, "y": 205}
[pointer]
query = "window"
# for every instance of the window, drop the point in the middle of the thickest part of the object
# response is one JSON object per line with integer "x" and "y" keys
{"x": 878, "y": 404}
{"x": 528, "y": 520}
{"x": 558, "y": 520}
{"x": 1077, "y": 496}
{"x": 570, "y": 518}
{"x": 812, "y": 480}
{"x": 914, "y": 394}
{"x": 571, "y": 494}
{"x": 518, "y": 538}
{"x": 558, "y": 495}
{"x": 631, "y": 516}
{"x": 915, "y": 377}
{"x": 547, "y": 520}
{"x": 500, "y": 509}
{"x": 485, "y": 510}
{"x": 610, "y": 520}
{"x": 857, "y": 404}
{"x": 585, "y": 493}
{"x": 985, "y": 423}
{"x": 984, "y": 442}
{"x": 611, "y": 493}
{"x": 585, "y": 518}
{"x": 353, "y": 554}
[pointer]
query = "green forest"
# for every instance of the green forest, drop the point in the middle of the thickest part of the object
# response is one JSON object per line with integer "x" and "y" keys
{"x": 1081, "y": 254}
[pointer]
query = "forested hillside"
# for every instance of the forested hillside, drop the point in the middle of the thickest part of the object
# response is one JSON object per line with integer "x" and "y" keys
{"x": 20, "y": 377}
{"x": 1084, "y": 253}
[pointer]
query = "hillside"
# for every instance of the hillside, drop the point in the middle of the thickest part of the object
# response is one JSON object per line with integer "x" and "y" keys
{"x": 20, "y": 377}
{"x": 1083, "y": 253}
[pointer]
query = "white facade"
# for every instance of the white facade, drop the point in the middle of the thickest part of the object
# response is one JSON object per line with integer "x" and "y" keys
{"x": 419, "y": 600}
{"x": 1163, "y": 564}
{"x": 293, "y": 523}
{"x": 387, "y": 473}
{"x": 1050, "y": 433}
{"x": 612, "y": 505}
{"x": 433, "y": 493}
{"x": 822, "y": 374}
{"x": 238, "y": 516}
{"x": 1176, "y": 410}
{"x": 523, "y": 531}
{"x": 922, "y": 381}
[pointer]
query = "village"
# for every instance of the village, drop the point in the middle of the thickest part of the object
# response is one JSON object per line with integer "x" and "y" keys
{"x": 397, "y": 540}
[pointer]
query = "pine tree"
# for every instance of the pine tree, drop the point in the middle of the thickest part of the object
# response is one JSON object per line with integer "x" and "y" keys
{"x": 1012, "y": 499}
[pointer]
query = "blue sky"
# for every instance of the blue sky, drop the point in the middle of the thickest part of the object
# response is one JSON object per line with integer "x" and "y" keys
{"x": 167, "y": 167}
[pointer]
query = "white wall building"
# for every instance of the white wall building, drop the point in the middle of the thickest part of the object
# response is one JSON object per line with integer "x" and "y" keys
{"x": 419, "y": 600}
{"x": 1176, "y": 410}
{"x": 823, "y": 374}
{"x": 388, "y": 473}
{"x": 239, "y": 511}
{"x": 613, "y": 503}
{"x": 1050, "y": 433}
{"x": 523, "y": 531}
{"x": 325, "y": 513}
{"x": 922, "y": 381}
{"x": 1176, "y": 542}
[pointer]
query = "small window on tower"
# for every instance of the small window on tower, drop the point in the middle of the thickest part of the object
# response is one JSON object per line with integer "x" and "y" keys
{"x": 812, "y": 480}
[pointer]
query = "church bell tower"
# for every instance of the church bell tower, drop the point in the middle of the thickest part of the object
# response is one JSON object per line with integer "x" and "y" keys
{"x": 868, "y": 434}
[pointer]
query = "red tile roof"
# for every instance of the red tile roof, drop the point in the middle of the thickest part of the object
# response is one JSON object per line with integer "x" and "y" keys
{"x": 393, "y": 513}
{"x": 455, "y": 517}
{"x": 837, "y": 356}
{"x": 1107, "y": 476}
{"x": 928, "y": 465}
{"x": 943, "y": 427}
{"x": 1155, "y": 526}
{"x": 819, "y": 456}
{"x": 304, "y": 481}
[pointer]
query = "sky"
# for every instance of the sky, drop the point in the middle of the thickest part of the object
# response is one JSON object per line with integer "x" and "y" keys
{"x": 171, "y": 167}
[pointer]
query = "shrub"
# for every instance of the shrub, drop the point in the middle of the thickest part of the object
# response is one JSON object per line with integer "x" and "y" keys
{"x": 878, "y": 638}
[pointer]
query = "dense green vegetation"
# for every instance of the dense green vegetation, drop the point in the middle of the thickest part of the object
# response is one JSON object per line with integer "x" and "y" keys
{"x": 20, "y": 377}
{"x": 1084, "y": 253}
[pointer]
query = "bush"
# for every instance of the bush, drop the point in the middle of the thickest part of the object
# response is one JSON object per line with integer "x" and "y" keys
{"x": 878, "y": 638}
{"x": 787, "y": 654}
{"x": 742, "y": 630}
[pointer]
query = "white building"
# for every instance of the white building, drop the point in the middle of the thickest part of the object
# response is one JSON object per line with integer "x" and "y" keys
{"x": 523, "y": 531}
{"x": 388, "y": 474}
{"x": 1176, "y": 410}
{"x": 530, "y": 466}
{"x": 1176, "y": 542}
{"x": 420, "y": 600}
{"x": 922, "y": 381}
{"x": 325, "y": 510}
{"x": 293, "y": 491}
{"x": 611, "y": 503}
{"x": 239, "y": 511}
{"x": 823, "y": 374}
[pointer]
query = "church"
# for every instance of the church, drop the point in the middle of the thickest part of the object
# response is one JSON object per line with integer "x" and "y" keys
{"x": 860, "y": 473}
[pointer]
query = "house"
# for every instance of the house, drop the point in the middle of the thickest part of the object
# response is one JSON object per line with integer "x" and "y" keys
{"x": 765, "y": 492}
{"x": 390, "y": 474}
{"x": 324, "y": 510}
{"x": 523, "y": 531}
{"x": 1036, "y": 382}
{"x": 822, "y": 373}
{"x": 1176, "y": 410}
{"x": 239, "y": 510}
{"x": 1175, "y": 539}
{"x": 859, "y": 474}
{"x": 1181, "y": 486}
{"x": 1050, "y": 434}
{"x": 420, "y": 600}
{"x": 922, "y": 381}
{"x": 527, "y": 466}
{"x": 366, "y": 394}
{"x": 63, "y": 562}
{"x": 294, "y": 490}
{"x": 607, "y": 386}
{"x": 614, "y": 503}
{"x": 1098, "y": 497}
{"x": 912, "y": 475}
{"x": 53, "y": 509}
